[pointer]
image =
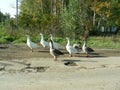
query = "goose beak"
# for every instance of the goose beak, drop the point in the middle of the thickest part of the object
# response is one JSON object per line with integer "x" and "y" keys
{"x": 67, "y": 38}
{"x": 40, "y": 33}
{"x": 50, "y": 36}
{"x": 26, "y": 35}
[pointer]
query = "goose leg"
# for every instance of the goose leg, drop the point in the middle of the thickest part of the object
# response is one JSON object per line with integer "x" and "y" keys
{"x": 31, "y": 50}
{"x": 87, "y": 55}
{"x": 46, "y": 47}
{"x": 70, "y": 55}
{"x": 55, "y": 58}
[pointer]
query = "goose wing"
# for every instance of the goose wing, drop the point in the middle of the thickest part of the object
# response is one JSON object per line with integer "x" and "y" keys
{"x": 89, "y": 49}
{"x": 44, "y": 43}
{"x": 57, "y": 52}
{"x": 34, "y": 45}
{"x": 72, "y": 49}
{"x": 56, "y": 45}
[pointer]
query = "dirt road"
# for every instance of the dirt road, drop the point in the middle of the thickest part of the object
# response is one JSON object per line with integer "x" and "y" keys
{"x": 20, "y": 51}
{"x": 21, "y": 69}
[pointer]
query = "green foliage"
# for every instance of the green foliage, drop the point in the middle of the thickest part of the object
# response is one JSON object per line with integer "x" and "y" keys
{"x": 68, "y": 17}
{"x": 58, "y": 39}
{"x": 71, "y": 19}
{"x": 2, "y": 40}
{"x": 3, "y": 17}
{"x": 65, "y": 18}
{"x": 6, "y": 39}
{"x": 35, "y": 14}
{"x": 94, "y": 42}
{"x": 20, "y": 40}
{"x": 67, "y": 23}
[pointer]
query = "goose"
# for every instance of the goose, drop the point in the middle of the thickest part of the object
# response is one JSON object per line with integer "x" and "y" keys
{"x": 43, "y": 42}
{"x": 86, "y": 49}
{"x": 70, "y": 48}
{"x": 56, "y": 45}
{"x": 77, "y": 46}
{"x": 54, "y": 52}
{"x": 31, "y": 44}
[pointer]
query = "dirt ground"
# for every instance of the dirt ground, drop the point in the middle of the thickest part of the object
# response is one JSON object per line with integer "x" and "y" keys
{"x": 20, "y": 51}
{"x": 22, "y": 69}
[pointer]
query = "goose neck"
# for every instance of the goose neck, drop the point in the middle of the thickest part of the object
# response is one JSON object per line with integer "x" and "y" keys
{"x": 42, "y": 37}
{"x": 51, "y": 44}
{"x": 28, "y": 38}
{"x": 51, "y": 38}
{"x": 84, "y": 44}
{"x": 68, "y": 42}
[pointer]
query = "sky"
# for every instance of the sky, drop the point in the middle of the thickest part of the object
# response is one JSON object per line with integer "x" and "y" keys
{"x": 8, "y": 6}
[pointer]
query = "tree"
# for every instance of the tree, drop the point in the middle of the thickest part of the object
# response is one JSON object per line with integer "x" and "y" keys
{"x": 4, "y": 18}
{"x": 68, "y": 17}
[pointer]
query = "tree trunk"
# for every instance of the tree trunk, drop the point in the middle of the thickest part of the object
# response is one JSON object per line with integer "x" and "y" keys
{"x": 54, "y": 7}
{"x": 94, "y": 16}
{"x": 42, "y": 6}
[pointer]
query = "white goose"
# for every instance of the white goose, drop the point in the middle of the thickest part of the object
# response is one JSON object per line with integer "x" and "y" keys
{"x": 70, "y": 48}
{"x": 54, "y": 52}
{"x": 86, "y": 49}
{"x": 31, "y": 44}
{"x": 43, "y": 42}
{"x": 56, "y": 45}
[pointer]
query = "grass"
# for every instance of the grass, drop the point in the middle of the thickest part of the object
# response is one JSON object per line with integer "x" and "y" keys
{"x": 6, "y": 36}
{"x": 104, "y": 42}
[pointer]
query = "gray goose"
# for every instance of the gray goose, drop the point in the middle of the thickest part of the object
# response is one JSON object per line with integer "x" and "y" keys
{"x": 43, "y": 42}
{"x": 86, "y": 49}
{"x": 54, "y": 52}
{"x": 31, "y": 44}
{"x": 70, "y": 48}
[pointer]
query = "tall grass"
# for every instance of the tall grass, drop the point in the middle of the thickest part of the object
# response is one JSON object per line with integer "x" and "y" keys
{"x": 104, "y": 42}
{"x": 18, "y": 36}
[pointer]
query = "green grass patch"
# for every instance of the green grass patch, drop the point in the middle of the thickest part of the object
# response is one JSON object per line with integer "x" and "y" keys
{"x": 6, "y": 36}
{"x": 104, "y": 42}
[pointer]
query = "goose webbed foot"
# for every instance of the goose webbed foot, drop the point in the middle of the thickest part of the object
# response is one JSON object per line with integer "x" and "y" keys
{"x": 70, "y": 55}
{"x": 87, "y": 55}
{"x": 55, "y": 58}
